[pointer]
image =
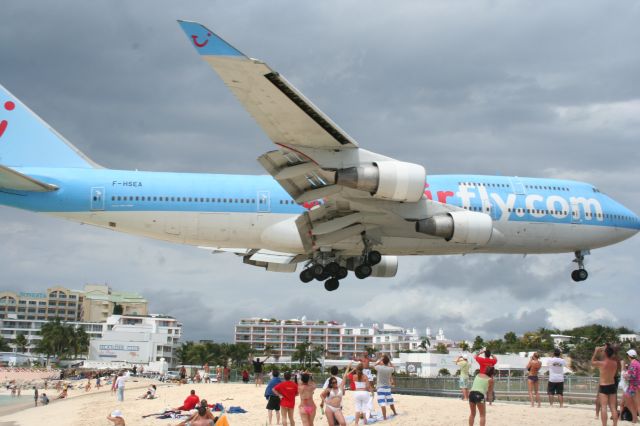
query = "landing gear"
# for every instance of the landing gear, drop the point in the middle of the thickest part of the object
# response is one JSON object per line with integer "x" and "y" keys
{"x": 581, "y": 273}
{"x": 331, "y": 284}
{"x": 363, "y": 271}
{"x": 374, "y": 257}
{"x": 306, "y": 276}
{"x": 327, "y": 269}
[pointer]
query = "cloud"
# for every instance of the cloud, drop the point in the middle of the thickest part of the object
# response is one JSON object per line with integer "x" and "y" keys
{"x": 462, "y": 87}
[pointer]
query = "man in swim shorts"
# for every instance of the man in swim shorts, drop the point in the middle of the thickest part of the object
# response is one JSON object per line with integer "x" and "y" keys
{"x": 608, "y": 389}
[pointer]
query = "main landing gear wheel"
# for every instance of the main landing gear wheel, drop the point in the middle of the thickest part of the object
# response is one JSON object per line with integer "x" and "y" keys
{"x": 306, "y": 276}
{"x": 363, "y": 271}
{"x": 318, "y": 271}
{"x": 342, "y": 273}
{"x": 332, "y": 269}
{"x": 579, "y": 275}
{"x": 374, "y": 257}
{"x": 331, "y": 284}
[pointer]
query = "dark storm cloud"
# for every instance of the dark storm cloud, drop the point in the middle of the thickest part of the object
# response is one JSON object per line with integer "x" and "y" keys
{"x": 518, "y": 323}
{"x": 526, "y": 88}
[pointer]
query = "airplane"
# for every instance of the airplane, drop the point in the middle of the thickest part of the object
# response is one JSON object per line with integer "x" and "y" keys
{"x": 325, "y": 203}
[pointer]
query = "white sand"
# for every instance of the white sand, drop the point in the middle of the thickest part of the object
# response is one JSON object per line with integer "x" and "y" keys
{"x": 89, "y": 409}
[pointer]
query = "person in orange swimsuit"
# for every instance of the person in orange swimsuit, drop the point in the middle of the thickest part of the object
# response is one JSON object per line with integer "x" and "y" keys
{"x": 533, "y": 367}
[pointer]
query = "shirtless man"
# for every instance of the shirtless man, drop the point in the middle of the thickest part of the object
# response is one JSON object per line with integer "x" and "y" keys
{"x": 608, "y": 390}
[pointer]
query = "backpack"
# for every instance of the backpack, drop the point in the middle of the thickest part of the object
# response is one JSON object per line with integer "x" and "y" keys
{"x": 626, "y": 415}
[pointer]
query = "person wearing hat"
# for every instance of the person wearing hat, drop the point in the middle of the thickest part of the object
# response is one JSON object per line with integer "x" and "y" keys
{"x": 632, "y": 376}
{"x": 116, "y": 418}
{"x": 463, "y": 364}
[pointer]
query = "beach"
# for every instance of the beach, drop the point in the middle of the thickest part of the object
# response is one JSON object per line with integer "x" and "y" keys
{"x": 91, "y": 408}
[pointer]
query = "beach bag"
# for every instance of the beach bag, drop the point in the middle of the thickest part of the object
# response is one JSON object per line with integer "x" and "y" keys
{"x": 626, "y": 415}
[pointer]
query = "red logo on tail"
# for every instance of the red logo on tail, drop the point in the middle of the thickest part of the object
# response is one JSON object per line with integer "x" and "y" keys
{"x": 204, "y": 43}
{"x": 9, "y": 106}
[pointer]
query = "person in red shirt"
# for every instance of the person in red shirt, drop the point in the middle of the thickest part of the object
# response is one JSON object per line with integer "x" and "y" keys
{"x": 287, "y": 392}
{"x": 486, "y": 361}
{"x": 189, "y": 403}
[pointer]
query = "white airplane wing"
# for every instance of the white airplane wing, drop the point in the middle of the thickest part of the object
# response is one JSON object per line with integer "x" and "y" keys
{"x": 361, "y": 192}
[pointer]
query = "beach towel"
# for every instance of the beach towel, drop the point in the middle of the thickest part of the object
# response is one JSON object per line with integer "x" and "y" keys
{"x": 217, "y": 407}
{"x": 236, "y": 410}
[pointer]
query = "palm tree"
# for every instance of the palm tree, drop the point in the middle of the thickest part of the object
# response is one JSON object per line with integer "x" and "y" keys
{"x": 183, "y": 352}
{"x": 21, "y": 343}
{"x": 4, "y": 345}
{"x": 425, "y": 344}
{"x": 80, "y": 342}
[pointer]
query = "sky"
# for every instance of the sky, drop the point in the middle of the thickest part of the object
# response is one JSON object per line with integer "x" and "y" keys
{"x": 526, "y": 88}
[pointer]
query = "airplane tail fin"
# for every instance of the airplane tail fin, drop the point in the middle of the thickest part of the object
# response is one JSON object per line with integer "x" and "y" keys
{"x": 27, "y": 141}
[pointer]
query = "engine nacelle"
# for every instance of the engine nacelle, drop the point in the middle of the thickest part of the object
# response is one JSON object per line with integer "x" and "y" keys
{"x": 389, "y": 180}
{"x": 459, "y": 227}
{"x": 387, "y": 268}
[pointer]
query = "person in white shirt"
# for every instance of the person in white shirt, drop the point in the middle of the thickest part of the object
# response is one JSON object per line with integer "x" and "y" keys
{"x": 556, "y": 377}
{"x": 334, "y": 373}
{"x": 120, "y": 386}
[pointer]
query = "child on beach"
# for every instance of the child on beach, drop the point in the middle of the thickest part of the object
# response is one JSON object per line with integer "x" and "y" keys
{"x": 482, "y": 386}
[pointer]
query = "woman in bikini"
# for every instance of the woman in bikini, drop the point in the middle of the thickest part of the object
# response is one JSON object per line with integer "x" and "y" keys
{"x": 332, "y": 401}
{"x": 533, "y": 367}
{"x": 307, "y": 406}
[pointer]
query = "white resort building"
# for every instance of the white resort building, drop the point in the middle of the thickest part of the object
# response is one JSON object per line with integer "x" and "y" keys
{"x": 338, "y": 340}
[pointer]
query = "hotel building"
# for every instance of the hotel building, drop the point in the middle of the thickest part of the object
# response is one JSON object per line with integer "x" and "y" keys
{"x": 92, "y": 304}
{"x": 338, "y": 340}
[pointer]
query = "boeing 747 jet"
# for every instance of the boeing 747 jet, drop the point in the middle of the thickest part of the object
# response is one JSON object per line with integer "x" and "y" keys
{"x": 326, "y": 203}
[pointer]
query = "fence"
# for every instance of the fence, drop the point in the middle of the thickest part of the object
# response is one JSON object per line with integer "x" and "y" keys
{"x": 577, "y": 389}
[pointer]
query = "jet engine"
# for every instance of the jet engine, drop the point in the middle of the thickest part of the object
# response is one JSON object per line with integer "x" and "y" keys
{"x": 389, "y": 180}
{"x": 459, "y": 227}
{"x": 387, "y": 268}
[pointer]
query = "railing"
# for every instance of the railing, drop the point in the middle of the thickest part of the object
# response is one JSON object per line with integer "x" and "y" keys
{"x": 577, "y": 389}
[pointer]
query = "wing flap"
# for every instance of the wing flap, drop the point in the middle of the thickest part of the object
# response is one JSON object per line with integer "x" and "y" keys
{"x": 16, "y": 181}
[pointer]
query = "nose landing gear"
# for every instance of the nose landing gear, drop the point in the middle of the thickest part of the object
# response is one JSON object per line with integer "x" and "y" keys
{"x": 581, "y": 273}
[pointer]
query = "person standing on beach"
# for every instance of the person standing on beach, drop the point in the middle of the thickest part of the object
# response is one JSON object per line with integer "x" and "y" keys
{"x": 257, "y": 370}
{"x": 533, "y": 367}
{"x": 362, "y": 393}
{"x": 384, "y": 382}
{"x": 632, "y": 377}
{"x": 35, "y": 395}
{"x": 273, "y": 402}
{"x": 307, "y": 406}
{"x": 463, "y": 363}
{"x": 556, "y": 377}
{"x": 608, "y": 389}
{"x": 226, "y": 372}
{"x": 287, "y": 392}
{"x": 119, "y": 384}
{"x": 334, "y": 374}
{"x": 482, "y": 386}
{"x": 488, "y": 360}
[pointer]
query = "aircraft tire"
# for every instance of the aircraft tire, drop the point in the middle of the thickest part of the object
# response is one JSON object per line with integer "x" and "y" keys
{"x": 318, "y": 270}
{"x": 582, "y": 274}
{"x": 331, "y": 284}
{"x": 574, "y": 276}
{"x": 342, "y": 273}
{"x": 306, "y": 276}
{"x": 374, "y": 257}
{"x": 363, "y": 271}
{"x": 332, "y": 269}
